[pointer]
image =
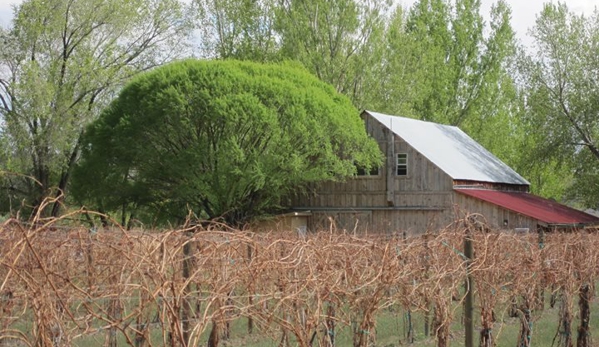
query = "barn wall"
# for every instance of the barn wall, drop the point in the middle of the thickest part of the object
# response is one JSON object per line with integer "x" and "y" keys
{"x": 422, "y": 174}
{"x": 286, "y": 222}
{"x": 424, "y": 186}
{"x": 391, "y": 222}
{"x": 494, "y": 215}
{"x": 387, "y": 203}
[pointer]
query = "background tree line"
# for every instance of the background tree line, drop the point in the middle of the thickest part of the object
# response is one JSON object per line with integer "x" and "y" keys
{"x": 63, "y": 62}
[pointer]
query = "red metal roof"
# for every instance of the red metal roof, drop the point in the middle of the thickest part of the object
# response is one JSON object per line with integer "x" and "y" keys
{"x": 544, "y": 210}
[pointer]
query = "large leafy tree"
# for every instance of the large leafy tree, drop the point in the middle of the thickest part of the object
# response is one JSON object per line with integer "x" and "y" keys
{"x": 335, "y": 40}
{"x": 60, "y": 63}
{"x": 562, "y": 88}
{"x": 394, "y": 84}
{"x": 224, "y": 139}
{"x": 452, "y": 68}
{"x": 441, "y": 62}
{"x": 338, "y": 41}
{"x": 461, "y": 68}
{"x": 239, "y": 29}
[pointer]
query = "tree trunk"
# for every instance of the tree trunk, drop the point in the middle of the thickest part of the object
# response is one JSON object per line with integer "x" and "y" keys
{"x": 186, "y": 310}
{"x": 114, "y": 312}
{"x": 250, "y": 296}
{"x": 441, "y": 324}
{"x": 364, "y": 334}
{"x": 486, "y": 338}
{"x": 65, "y": 177}
{"x": 328, "y": 339}
{"x": 42, "y": 175}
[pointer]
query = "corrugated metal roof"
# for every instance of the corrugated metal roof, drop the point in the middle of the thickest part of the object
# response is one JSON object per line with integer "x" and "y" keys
{"x": 450, "y": 149}
{"x": 546, "y": 211}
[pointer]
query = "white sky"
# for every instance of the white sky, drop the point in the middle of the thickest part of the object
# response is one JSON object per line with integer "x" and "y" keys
{"x": 523, "y": 12}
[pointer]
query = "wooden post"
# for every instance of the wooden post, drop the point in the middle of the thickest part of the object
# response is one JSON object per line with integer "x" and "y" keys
{"x": 409, "y": 325}
{"x": 469, "y": 302}
{"x": 540, "y": 302}
{"x": 186, "y": 311}
{"x": 584, "y": 299}
{"x": 250, "y": 296}
{"x": 427, "y": 304}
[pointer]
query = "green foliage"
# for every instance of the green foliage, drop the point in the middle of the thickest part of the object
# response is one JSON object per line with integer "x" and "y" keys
{"x": 222, "y": 139}
{"x": 63, "y": 61}
{"x": 335, "y": 40}
{"x": 60, "y": 63}
{"x": 460, "y": 68}
{"x": 338, "y": 41}
{"x": 392, "y": 85}
{"x": 238, "y": 29}
{"x": 439, "y": 65}
{"x": 560, "y": 84}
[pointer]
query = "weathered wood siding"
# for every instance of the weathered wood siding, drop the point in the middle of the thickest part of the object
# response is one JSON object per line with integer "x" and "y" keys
{"x": 391, "y": 222}
{"x": 424, "y": 185}
{"x": 422, "y": 200}
{"x": 495, "y": 216}
{"x": 385, "y": 203}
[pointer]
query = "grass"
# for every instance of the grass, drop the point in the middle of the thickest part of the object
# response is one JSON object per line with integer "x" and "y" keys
{"x": 391, "y": 330}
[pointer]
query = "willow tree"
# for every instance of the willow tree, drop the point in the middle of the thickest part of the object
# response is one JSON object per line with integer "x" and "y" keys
{"x": 60, "y": 64}
{"x": 561, "y": 85}
{"x": 222, "y": 139}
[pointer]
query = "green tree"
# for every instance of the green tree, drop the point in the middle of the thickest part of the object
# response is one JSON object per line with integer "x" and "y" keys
{"x": 438, "y": 64}
{"x": 237, "y": 29}
{"x": 61, "y": 62}
{"x": 394, "y": 85}
{"x": 224, "y": 139}
{"x": 562, "y": 87}
{"x": 335, "y": 40}
{"x": 460, "y": 68}
{"x": 549, "y": 175}
{"x": 339, "y": 41}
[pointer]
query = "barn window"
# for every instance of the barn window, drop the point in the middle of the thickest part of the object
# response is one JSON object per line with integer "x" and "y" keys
{"x": 362, "y": 171}
{"x": 402, "y": 164}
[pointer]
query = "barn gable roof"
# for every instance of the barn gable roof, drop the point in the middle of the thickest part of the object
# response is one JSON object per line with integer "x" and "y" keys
{"x": 451, "y": 150}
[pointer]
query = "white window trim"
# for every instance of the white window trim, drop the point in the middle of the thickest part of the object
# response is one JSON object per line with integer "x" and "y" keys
{"x": 404, "y": 164}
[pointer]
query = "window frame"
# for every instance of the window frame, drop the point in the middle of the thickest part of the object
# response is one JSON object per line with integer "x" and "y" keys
{"x": 362, "y": 173}
{"x": 401, "y": 162}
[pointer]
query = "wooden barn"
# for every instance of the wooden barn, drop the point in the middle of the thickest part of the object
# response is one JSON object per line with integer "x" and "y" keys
{"x": 433, "y": 174}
